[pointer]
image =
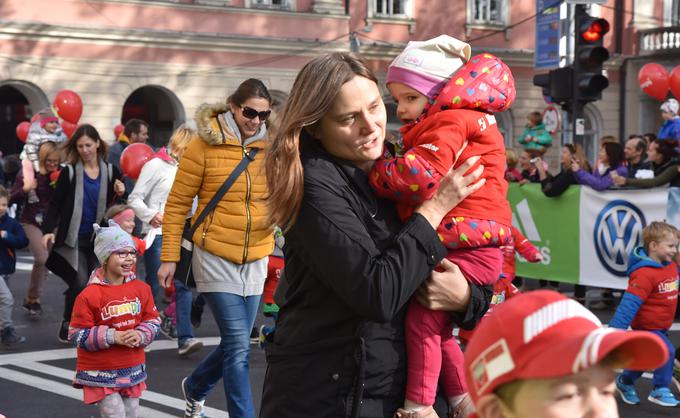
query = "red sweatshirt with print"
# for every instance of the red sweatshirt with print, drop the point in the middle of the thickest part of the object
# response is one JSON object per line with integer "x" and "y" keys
{"x": 459, "y": 125}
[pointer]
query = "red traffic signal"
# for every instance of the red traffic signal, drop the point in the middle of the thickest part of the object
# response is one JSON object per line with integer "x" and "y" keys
{"x": 594, "y": 30}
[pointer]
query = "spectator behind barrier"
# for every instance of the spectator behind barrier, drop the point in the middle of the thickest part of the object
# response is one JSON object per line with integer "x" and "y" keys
{"x": 535, "y": 136}
{"x": 529, "y": 172}
{"x": 635, "y": 152}
{"x": 553, "y": 186}
{"x": 670, "y": 129}
{"x": 512, "y": 174}
{"x": 610, "y": 160}
{"x": 662, "y": 155}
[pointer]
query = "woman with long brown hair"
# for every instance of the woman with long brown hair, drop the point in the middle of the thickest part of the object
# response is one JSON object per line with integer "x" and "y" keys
{"x": 351, "y": 265}
{"x": 85, "y": 188}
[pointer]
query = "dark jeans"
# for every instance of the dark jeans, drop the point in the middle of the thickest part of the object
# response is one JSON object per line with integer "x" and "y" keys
{"x": 87, "y": 262}
{"x": 152, "y": 262}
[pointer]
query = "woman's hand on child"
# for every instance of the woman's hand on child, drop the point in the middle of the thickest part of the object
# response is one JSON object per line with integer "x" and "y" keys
{"x": 453, "y": 189}
{"x": 445, "y": 290}
{"x": 618, "y": 180}
{"x": 48, "y": 239}
{"x": 166, "y": 273}
{"x": 118, "y": 187}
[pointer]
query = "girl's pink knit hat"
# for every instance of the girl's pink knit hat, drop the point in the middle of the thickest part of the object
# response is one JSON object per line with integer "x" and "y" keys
{"x": 425, "y": 66}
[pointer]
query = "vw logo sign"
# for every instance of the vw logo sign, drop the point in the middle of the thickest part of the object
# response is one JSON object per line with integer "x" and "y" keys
{"x": 618, "y": 230}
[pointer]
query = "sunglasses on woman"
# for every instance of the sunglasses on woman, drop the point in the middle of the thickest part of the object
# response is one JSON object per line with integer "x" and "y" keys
{"x": 250, "y": 113}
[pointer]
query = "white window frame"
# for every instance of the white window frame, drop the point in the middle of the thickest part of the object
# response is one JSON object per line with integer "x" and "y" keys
{"x": 501, "y": 22}
{"x": 407, "y": 6}
{"x": 592, "y": 135}
{"x": 288, "y": 5}
{"x": 505, "y": 123}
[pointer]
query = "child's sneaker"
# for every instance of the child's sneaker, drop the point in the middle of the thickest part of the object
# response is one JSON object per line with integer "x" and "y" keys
{"x": 32, "y": 308}
{"x": 167, "y": 328}
{"x": 676, "y": 374}
{"x": 33, "y": 197}
{"x": 628, "y": 393}
{"x": 663, "y": 396}
{"x": 194, "y": 408}
{"x": 262, "y": 339}
{"x": 9, "y": 338}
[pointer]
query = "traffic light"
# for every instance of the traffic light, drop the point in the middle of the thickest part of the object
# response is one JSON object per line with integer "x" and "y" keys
{"x": 556, "y": 84}
{"x": 589, "y": 57}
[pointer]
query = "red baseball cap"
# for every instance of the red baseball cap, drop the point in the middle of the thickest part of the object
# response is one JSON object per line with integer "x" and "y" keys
{"x": 543, "y": 334}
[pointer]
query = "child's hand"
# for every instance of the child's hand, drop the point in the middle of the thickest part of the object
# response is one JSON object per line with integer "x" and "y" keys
{"x": 134, "y": 338}
{"x": 3, "y": 234}
{"x": 47, "y": 240}
{"x": 538, "y": 258}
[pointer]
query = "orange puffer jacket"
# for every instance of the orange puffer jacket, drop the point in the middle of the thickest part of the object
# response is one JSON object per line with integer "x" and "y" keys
{"x": 237, "y": 230}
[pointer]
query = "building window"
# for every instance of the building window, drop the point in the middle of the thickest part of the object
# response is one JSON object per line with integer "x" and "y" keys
{"x": 270, "y": 4}
{"x": 487, "y": 12}
{"x": 391, "y": 8}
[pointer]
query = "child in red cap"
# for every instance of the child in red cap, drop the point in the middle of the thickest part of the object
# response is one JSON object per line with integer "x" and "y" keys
{"x": 649, "y": 304}
{"x": 447, "y": 103}
{"x": 45, "y": 129}
{"x": 543, "y": 355}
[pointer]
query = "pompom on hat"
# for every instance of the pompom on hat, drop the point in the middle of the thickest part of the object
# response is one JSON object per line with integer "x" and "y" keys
{"x": 671, "y": 106}
{"x": 109, "y": 240}
{"x": 542, "y": 335}
{"x": 425, "y": 66}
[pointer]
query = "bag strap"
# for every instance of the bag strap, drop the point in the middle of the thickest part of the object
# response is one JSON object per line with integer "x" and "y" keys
{"x": 250, "y": 156}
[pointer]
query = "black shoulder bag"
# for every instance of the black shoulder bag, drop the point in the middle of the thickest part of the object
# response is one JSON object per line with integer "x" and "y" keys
{"x": 183, "y": 271}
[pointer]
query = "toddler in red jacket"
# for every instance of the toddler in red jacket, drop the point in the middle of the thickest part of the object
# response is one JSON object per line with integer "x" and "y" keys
{"x": 113, "y": 319}
{"x": 446, "y": 100}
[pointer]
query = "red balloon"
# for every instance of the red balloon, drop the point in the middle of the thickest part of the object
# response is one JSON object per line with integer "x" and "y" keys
{"x": 132, "y": 159}
{"x": 674, "y": 81}
{"x": 22, "y": 130}
{"x": 653, "y": 79}
{"x": 68, "y": 105}
{"x": 117, "y": 130}
{"x": 69, "y": 128}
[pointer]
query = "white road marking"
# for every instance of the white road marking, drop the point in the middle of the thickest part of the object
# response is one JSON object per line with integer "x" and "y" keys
{"x": 32, "y": 361}
{"x": 64, "y": 390}
{"x": 150, "y": 396}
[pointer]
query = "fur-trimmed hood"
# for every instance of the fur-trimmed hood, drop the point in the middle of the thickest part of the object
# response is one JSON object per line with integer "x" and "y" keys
{"x": 216, "y": 126}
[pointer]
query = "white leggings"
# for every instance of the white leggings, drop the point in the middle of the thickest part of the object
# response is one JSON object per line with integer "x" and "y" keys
{"x": 117, "y": 406}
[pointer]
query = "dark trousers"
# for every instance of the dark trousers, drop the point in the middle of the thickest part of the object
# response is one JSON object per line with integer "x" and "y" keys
{"x": 87, "y": 262}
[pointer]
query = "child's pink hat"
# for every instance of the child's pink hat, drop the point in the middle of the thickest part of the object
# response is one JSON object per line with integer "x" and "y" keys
{"x": 425, "y": 66}
{"x": 542, "y": 335}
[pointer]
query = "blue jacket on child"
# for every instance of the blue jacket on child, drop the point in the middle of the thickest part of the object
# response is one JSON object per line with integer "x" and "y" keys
{"x": 14, "y": 240}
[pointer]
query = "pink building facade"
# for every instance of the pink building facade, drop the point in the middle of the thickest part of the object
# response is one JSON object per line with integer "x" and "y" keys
{"x": 159, "y": 60}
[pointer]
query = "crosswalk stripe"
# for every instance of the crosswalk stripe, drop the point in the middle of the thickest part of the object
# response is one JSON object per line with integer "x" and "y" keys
{"x": 65, "y": 390}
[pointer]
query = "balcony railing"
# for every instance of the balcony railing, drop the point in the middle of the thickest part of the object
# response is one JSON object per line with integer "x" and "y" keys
{"x": 660, "y": 40}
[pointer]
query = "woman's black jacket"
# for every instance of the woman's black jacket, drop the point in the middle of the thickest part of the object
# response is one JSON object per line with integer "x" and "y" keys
{"x": 351, "y": 268}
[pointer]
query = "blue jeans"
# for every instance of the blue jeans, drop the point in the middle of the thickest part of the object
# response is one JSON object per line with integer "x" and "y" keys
{"x": 235, "y": 316}
{"x": 152, "y": 262}
{"x": 664, "y": 374}
{"x": 183, "y": 312}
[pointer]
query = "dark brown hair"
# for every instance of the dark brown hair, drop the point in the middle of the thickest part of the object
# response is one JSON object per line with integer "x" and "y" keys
{"x": 133, "y": 126}
{"x": 667, "y": 148}
{"x": 250, "y": 88}
{"x": 614, "y": 151}
{"x": 535, "y": 117}
{"x": 71, "y": 155}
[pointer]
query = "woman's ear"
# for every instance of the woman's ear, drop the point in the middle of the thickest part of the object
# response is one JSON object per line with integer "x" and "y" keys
{"x": 233, "y": 107}
{"x": 491, "y": 406}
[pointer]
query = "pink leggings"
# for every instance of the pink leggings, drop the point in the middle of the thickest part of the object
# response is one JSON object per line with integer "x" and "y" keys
{"x": 433, "y": 353}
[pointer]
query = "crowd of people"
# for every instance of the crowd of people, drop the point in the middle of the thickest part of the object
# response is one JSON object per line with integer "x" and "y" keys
{"x": 368, "y": 249}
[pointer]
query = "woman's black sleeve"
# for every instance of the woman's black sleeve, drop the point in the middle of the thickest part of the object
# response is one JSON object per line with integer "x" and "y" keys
{"x": 480, "y": 299}
{"x": 342, "y": 254}
{"x": 555, "y": 186}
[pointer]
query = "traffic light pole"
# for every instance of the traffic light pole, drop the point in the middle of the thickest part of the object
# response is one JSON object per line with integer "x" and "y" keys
{"x": 576, "y": 109}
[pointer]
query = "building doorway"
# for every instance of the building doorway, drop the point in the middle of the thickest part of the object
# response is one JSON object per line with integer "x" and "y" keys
{"x": 19, "y": 100}
{"x": 157, "y": 106}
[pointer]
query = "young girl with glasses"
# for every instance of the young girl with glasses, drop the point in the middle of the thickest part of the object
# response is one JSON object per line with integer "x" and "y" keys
{"x": 113, "y": 319}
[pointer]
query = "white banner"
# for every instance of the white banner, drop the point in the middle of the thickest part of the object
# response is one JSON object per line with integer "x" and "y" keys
{"x": 611, "y": 224}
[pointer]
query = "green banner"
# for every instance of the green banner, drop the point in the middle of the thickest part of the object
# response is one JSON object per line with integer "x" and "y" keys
{"x": 552, "y": 226}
